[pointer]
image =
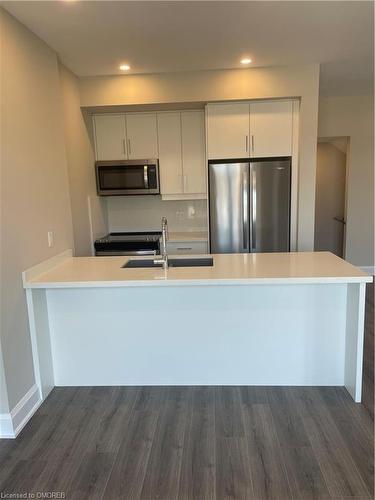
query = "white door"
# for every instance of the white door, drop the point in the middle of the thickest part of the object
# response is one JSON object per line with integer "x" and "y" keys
{"x": 142, "y": 136}
{"x": 193, "y": 152}
{"x": 271, "y": 128}
{"x": 110, "y": 137}
{"x": 228, "y": 130}
{"x": 170, "y": 157}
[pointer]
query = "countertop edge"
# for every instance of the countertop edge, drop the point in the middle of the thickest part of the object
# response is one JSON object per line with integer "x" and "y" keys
{"x": 200, "y": 282}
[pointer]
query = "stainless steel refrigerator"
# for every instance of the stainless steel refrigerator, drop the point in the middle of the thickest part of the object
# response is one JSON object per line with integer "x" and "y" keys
{"x": 249, "y": 206}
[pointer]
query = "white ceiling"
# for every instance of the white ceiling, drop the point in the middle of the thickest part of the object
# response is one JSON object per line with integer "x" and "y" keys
{"x": 94, "y": 37}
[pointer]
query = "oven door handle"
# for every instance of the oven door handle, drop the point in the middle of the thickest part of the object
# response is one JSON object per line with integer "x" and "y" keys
{"x": 120, "y": 252}
{"x": 145, "y": 176}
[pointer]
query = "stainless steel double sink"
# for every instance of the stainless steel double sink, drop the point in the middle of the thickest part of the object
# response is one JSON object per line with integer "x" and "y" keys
{"x": 180, "y": 262}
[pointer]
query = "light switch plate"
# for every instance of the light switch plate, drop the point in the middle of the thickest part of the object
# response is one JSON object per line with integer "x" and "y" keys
{"x": 50, "y": 239}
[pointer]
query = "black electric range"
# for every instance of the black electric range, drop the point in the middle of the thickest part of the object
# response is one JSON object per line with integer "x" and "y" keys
{"x": 139, "y": 243}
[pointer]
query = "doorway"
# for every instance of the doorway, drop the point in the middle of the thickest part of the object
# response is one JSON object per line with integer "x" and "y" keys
{"x": 330, "y": 195}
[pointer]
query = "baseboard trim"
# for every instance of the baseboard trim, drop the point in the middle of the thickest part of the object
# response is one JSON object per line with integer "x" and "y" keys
{"x": 368, "y": 269}
{"x": 12, "y": 423}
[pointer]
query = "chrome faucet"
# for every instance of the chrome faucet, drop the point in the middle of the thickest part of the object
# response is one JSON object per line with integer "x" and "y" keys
{"x": 164, "y": 238}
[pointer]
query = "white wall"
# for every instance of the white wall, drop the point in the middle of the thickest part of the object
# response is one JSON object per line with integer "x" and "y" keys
{"x": 81, "y": 161}
{"x": 34, "y": 187}
{"x": 354, "y": 117}
{"x": 205, "y": 86}
{"x": 144, "y": 213}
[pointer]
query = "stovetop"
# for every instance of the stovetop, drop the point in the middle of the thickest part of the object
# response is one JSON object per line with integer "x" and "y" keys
{"x": 150, "y": 236}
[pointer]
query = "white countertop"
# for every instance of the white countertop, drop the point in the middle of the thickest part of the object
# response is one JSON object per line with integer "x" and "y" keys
{"x": 228, "y": 269}
{"x": 188, "y": 236}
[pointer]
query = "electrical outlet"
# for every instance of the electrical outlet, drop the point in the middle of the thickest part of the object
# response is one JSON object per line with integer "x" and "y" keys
{"x": 180, "y": 215}
{"x": 50, "y": 239}
{"x": 191, "y": 212}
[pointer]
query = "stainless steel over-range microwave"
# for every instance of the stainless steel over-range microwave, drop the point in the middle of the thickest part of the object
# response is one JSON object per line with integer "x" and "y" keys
{"x": 127, "y": 177}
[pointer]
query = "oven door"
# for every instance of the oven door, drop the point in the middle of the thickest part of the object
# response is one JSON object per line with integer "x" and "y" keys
{"x": 130, "y": 177}
{"x": 107, "y": 253}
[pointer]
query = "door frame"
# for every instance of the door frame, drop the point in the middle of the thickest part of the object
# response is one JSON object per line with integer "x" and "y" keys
{"x": 330, "y": 139}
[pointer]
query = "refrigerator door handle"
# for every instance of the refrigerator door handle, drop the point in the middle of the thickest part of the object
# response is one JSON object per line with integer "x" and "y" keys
{"x": 245, "y": 209}
{"x": 253, "y": 209}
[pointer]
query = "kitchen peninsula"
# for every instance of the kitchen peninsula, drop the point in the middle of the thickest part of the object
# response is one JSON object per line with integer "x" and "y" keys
{"x": 250, "y": 319}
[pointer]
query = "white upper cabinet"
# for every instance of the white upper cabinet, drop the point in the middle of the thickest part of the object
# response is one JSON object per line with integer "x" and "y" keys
{"x": 193, "y": 152}
{"x": 228, "y": 130}
{"x": 110, "y": 137}
{"x": 250, "y": 129}
{"x": 142, "y": 138}
{"x": 271, "y": 125}
{"x": 170, "y": 154}
{"x": 177, "y": 138}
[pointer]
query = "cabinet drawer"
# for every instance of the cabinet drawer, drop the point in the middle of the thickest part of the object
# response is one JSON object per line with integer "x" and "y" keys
{"x": 186, "y": 247}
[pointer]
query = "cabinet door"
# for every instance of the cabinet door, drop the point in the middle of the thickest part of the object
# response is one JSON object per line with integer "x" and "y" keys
{"x": 187, "y": 247}
{"x": 228, "y": 130}
{"x": 110, "y": 137}
{"x": 142, "y": 136}
{"x": 170, "y": 157}
{"x": 193, "y": 152}
{"x": 271, "y": 128}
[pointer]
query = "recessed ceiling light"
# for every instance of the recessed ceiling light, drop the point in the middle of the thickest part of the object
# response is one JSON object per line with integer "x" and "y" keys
{"x": 246, "y": 60}
{"x": 124, "y": 67}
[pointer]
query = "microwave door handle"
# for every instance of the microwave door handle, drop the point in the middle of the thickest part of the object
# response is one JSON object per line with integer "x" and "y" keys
{"x": 145, "y": 176}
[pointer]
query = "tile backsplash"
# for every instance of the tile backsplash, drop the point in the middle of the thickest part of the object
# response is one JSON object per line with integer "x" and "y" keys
{"x": 144, "y": 213}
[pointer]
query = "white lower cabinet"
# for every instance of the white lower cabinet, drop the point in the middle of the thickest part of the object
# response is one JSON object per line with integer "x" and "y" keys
{"x": 187, "y": 247}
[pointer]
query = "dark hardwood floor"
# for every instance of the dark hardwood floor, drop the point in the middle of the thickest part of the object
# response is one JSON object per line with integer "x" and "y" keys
{"x": 188, "y": 443}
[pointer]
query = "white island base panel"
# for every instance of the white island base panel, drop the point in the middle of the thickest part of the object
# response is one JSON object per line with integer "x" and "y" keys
{"x": 232, "y": 335}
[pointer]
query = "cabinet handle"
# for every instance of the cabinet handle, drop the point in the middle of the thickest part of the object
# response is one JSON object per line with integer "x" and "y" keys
{"x": 129, "y": 147}
{"x": 246, "y": 142}
{"x": 124, "y": 146}
{"x": 184, "y": 248}
{"x": 252, "y": 142}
